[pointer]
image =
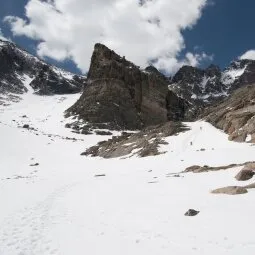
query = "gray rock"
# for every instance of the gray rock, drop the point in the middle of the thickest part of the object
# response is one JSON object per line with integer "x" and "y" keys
{"x": 192, "y": 212}
{"x": 245, "y": 175}
{"x": 120, "y": 94}
{"x": 230, "y": 190}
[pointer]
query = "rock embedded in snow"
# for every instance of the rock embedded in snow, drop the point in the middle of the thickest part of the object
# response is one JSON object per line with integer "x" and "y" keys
{"x": 205, "y": 168}
{"x": 36, "y": 164}
{"x": 230, "y": 190}
{"x": 250, "y": 186}
{"x": 235, "y": 115}
{"x": 143, "y": 144}
{"x": 101, "y": 132}
{"x": 192, "y": 212}
{"x": 245, "y": 175}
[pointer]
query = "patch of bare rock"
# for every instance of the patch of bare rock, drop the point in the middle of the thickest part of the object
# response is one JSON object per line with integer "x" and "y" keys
{"x": 192, "y": 212}
{"x": 230, "y": 190}
{"x": 144, "y": 143}
{"x": 246, "y": 173}
{"x": 235, "y": 115}
{"x": 203, "y": 169}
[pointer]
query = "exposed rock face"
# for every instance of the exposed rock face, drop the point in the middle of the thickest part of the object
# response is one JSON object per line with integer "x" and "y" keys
{"x": 236, "y": 115}
{"x": 198, "y": 86}
{"x": 122, "y": 95}
{"x": 19, "y": 71}
{"x": 144, "y": 143}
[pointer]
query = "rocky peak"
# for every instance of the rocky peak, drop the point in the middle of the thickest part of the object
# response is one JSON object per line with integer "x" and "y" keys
{"x": 122, "y": 95}
{"x": 105, "y": 63}
{"x": 198, "y": 86}
{"x": 188, "y": 74}
{"x": 213, "y": 70}
{"x": 239, "y": 73}
{"x": 17, "y": 67}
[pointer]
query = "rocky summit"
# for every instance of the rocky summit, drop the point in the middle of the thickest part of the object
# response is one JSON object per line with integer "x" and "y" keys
{"x": 122, "y": 96}
{"x": 202, "y": 87}
{"x": 21, "y": 71}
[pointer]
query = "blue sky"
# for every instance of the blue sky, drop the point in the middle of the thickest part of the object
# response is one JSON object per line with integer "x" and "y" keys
{"x": 224, "y": 30}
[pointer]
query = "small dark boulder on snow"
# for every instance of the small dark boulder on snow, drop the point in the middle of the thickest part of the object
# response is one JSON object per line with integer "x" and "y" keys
{"x": 26, "y": 126}
{"x": 192, "y": 212}
{"x": 36, "y": 164}
{"x": 101, "y": 132}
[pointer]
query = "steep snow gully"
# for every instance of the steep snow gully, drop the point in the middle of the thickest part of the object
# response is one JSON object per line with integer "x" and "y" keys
{"x": 54, "y": 201}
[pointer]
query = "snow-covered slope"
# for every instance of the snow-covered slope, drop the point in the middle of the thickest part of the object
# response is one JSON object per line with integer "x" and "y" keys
{"x": 69, "y": 204}
{"x": 16, "y": 64}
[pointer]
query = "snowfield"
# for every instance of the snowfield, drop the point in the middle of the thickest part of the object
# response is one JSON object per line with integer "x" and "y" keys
{"x": 75, "y": 205}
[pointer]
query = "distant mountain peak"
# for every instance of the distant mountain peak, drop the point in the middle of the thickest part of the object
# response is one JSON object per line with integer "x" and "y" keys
{"x": 16, "y": 63}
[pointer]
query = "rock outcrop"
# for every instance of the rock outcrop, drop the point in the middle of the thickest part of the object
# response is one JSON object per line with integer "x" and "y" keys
{"x": 230, "y": 190}
{"x": 235, "y": 115}
{"x": 122, "y": 96}
{"x": 143, "y": 144}
{"x": 244, "y": 175}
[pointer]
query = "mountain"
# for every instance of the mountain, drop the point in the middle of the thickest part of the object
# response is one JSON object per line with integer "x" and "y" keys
{"x": 205, "y": 87}
{"x": 21, "y": 71}
{"x": 119, "y": 95}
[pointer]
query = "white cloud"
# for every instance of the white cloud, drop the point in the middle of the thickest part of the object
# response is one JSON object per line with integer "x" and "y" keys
{"x": 250, "y": 54}
{"x": 142, "y": 30}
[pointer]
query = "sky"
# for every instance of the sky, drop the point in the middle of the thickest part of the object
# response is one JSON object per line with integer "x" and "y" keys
{"x": 165, "y": 33}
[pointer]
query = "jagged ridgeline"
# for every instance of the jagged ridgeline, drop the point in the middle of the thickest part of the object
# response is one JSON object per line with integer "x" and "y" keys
{"x": 119, "y": 95}
{"x": 21, "y": 71}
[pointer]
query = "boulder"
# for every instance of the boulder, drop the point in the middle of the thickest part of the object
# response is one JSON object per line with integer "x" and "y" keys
{"x": 192, "y": 212}
{"x": 245, "y": 175}
{"x": 250, "y": 186}
{"x": 230, "y": 190}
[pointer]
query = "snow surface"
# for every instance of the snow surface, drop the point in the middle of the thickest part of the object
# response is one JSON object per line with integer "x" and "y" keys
{"x": 230, "y": 75}
{"x": 63, "y": 73}
{"x": 59, "y": 207}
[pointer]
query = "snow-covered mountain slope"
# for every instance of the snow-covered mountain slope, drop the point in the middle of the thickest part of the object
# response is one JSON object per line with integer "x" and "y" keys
{"x": 16, "y": 66}
{"x": 69, "y": 204}
{"x": 203, "y": 87}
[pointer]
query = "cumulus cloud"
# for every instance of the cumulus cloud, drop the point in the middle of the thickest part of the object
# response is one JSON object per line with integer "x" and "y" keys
{"x": 144, "y": 31}
{"x": 250, "y": 54}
